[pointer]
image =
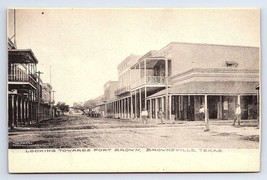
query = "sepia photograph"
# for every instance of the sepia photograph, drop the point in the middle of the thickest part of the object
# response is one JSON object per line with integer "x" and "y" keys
{"x": 107, "y": 90}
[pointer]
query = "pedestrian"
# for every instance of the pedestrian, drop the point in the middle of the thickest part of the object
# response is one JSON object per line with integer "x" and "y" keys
{"x": 160, "y": 115}
{"x": 202, "y": 117}
{"x": 201, "y": 113}
{"x": 144, "y": 115}
{"x": 237, "y": 115}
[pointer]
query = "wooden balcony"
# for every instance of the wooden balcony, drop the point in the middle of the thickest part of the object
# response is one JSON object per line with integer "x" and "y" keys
{"x": 22, "y": 78}
{"x": 149, "y": 80}
{"x": 122, "y": 90}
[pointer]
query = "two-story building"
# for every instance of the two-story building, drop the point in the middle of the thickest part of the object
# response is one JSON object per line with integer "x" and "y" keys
{"x": 22, "y": 86}
{"x": 181, "y": 77}
{"x": 120, "y": 105}
{"x": 216, "y": 76}
{"x": 29, "y": 100}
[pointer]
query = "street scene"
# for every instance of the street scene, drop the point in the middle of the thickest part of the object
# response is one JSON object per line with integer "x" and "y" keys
{"x": 127, "y": 78}
{"x": 79, "y": 131}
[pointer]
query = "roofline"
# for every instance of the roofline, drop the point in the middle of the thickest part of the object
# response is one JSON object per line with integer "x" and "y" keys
{"x": 22, "y": 50}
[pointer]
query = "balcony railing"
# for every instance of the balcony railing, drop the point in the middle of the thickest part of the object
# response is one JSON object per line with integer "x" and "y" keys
{"x": 22, "y": 77}
{"x": 149, "y": 80}
{"x": 122, "y": 90}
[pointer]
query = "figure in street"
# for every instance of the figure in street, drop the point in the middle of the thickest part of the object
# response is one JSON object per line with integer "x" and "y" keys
{"x": 201, "y": 113}
{"x": 144, "y": 115}
{"x": 202, "y": 117}
{"x": 160, "y": 115}
{"x": 237, "y": 115}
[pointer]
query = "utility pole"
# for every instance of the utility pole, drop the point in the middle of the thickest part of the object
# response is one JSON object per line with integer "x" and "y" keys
{"x": 15, "y": 43}
{"x": 53, "y": 102}
{"x": 38, "y": 90}
{"x": 167, "y": 57}
{"x": 166, "y": 88}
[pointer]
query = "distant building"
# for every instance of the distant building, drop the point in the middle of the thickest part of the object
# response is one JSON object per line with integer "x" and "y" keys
{"x": 45, "y": 107}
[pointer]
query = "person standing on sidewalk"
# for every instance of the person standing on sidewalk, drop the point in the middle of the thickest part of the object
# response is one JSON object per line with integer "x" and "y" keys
{"x": 202, "y": 117}
{"x": 201, "y": 113}
{"x": 144, "y": 115}
{"x": 237, "y": 114}
{"x": 160, "y": 115}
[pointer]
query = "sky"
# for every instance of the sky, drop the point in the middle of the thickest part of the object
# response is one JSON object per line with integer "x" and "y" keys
{"x": 83, "y": 47}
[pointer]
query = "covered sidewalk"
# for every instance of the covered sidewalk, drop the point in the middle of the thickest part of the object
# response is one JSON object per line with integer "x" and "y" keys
{"x": 218, "y": 97}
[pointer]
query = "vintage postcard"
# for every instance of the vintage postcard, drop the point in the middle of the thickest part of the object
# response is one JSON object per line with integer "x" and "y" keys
{"x": 133, "y": 90}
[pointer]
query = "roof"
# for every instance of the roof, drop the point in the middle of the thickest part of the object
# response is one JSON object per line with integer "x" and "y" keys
{"x": 212, "y": 88}
{"x": 148, "y": 54}
{"x": 21, "y": 56}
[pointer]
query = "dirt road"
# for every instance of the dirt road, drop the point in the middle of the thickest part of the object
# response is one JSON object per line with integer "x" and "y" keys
{"x": 78, "y": 131}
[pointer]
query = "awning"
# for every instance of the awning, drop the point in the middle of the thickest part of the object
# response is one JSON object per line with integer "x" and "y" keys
{"x": 211, "y": 88}
{"x": 21, "y": 56}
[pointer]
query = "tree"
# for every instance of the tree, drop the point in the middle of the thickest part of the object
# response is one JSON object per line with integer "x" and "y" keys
{"x": 89, "y": 104}
{"x": 63, "y": 107}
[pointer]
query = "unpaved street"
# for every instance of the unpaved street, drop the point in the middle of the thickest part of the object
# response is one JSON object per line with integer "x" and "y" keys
{"x": 78, "y": 131}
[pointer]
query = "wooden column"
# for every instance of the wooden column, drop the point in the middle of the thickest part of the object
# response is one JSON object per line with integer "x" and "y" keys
{"x": 150, "y": 108}
{"x": 145, "y": 98}
{"x": 135, "y": 105}
{"x": 128, "y": 108}
{"x": 238, "y": 100}
{"x": 156, "y": 108}
{"x": 162, "y": 105}
{"x": 140, "y": 102}
{"x": 16, "y": 111}
{"x": 131, "y": 110}
{"x": 206, "y": 112}
{"x": 170, "y": 106}
{"x": 20, "y": 111}
{"x": 166, "y": 87}
{"x": 119, "y": 108}
{"x": 13, "y": 113}
{"x": 125, "y": 108}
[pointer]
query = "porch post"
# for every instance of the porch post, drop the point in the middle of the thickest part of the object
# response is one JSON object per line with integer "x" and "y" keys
{"x": 162, "y": 105}
{"x": 206, "y": 113}
{"x": 128, "y": 105}
{"x": 125, "y": 108}
{"x": 120, "y": 108}
{"x": 135, "y": 105}
{"x": 140, "y": 102}
{"x": 20, "y": 111}
{"x": 145, "y": 98}
{"x": 17, "y": 111}
{"x": 166, "y": 87}
{"x": 145, "y": 70}
{"x": 150, "y": 108}
{"x": 170, "y": 107}
{"x": 12, "y": 118}
{"x": 238, "y": 100}
{"x": 156, "y": 108}
{"x": 131, "y": 109}
{"x": 221, "y": 108}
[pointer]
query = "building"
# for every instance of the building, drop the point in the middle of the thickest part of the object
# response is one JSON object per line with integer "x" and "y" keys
{"x": 45, "y": 105}
{"x": 181, "y": 77}
{"x": 119, "y": 106}
{"x": 29, "y": 100}
{"x": 216, "y": 76}
{"x": 110, "y": 89}
{"x": 22, "y": 86}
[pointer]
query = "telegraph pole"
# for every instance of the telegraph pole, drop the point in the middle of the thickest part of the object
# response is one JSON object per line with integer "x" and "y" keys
{"x": 53, "y": 102}
{"x": 166, "y": 88}
{"x": 39, "y": 89}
